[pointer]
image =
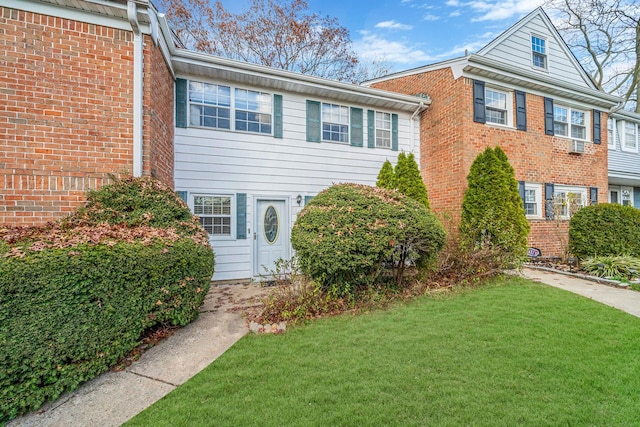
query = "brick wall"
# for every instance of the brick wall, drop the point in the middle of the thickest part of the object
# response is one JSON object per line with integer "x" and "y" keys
{"x": 66, "y": 113}
{"x": 451, "y": 140}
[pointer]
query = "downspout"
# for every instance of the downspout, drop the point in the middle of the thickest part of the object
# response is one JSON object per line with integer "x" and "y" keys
{"x": 132, "y": 14}
{"x": 420, "y": 108}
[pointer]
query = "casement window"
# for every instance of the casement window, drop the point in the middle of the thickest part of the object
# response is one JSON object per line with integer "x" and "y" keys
{"x": 568, "y": 200}
{"x": 215, "y": 106}
{"x": 538, "y": 52}
{"x": 628, "y": 133}
{"x": 253, "y": 111}
{"x": 214, "y": 212}
{"x": 611, "y": 133}
{"x": 383, "y": 130}
{"x": 570, "y": 122}
{"x": 335, "y": 123}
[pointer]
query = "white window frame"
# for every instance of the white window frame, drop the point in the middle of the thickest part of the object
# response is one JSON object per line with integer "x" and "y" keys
{"x": 383, "y": 133}
{"x": 212, "y": 103}
{"x": 537, "y": 199}
{"x": 612, "y": 133}
{"x": 623, "y": 136}
{"x": 566, "y": 189}
{"x": 508, "y": 107}
{"x": 264, "y": 108}
{"x": 231, "y": 215}
{"x": 615, "y": 190}
{"x": 232, "y": 108}
{"x": 536, "y": 53}
{"x": 569, "y": 122}
{"x": 330, "y": 120}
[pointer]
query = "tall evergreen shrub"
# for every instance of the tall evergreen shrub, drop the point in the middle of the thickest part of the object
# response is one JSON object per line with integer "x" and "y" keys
{"x": 493, "y": 215}
{"x": 405, "y": 178}
{"x": 386, "y": 177}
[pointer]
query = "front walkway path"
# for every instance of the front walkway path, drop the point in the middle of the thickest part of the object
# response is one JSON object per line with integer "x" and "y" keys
{"x": 115, "y": 397}
{"x": 620, "y": 298}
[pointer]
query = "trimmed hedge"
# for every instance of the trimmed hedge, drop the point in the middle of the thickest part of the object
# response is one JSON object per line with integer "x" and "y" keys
{"x": 349, "y": 234}
{"x": 77, "y": 295}
{"x": 605, "y": 229}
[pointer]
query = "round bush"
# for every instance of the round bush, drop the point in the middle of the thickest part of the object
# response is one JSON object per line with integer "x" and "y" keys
{"x": 349, "y": 234}
{"x": 605, "y": 229}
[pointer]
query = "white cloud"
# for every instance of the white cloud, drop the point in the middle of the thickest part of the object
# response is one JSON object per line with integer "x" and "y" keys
{"x": 393, "y": 25}
{"x": 497, "y": 10}
{"x": 455, "y": 13}
{"x": 374, "y": 47}
{"x": 430, "y": 17}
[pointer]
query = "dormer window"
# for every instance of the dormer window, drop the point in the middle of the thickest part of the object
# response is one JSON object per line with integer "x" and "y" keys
{"x": 539, "y": 52}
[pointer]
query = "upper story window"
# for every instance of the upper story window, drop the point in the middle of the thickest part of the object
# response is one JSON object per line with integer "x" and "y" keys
{"x": 213, "y": 105}
{"x": 569, "y": 122}
{"x": 253, "y": 111}
{"x": 214, "y": 213}
{"x": 539, "y": 52}
{"x": 628, "y": 132}
{"x": 383, "y": 130}
{"x": 335, "y": 123}
{"x": 496, "y": 105}
{"x": 209, "y": 105}
{"x": 611, "y": 133}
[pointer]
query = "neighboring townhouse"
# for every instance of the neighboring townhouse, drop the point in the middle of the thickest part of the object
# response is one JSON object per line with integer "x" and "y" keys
{"x": 254, "y": 144}
{"x": 86, "y": 92}
{"x": 525, "y": 92}
{"x": 624, "y": 158}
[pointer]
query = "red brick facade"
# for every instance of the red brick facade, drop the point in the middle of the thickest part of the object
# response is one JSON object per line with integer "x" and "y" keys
{"x": 451, "y": 140}
{"x": 66, "y": 113}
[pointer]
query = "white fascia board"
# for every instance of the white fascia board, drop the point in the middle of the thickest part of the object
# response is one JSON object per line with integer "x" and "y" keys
{"x": 626, "y": 115}
{"x": 454, "y": 64}
{"x": 305, "y": 84}
{"x": 479, "y": 65}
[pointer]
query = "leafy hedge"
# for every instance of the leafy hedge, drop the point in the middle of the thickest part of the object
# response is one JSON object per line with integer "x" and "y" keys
{"x": 349, "y": 234}
{"x": 605, "y": 229}
{"x": 76, "y": 295}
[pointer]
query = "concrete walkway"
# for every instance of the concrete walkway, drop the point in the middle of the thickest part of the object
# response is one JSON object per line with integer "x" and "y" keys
{"x": 622, "y": 299}
{"x": 115, "y": 397}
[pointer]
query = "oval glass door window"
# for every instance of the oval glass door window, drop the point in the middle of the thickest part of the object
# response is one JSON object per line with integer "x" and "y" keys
{"x": 271, "y": 225}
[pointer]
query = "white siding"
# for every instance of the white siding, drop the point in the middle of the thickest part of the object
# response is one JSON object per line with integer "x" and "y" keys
{"x": 516, "y": 50}
{"x": 212, "y": 161}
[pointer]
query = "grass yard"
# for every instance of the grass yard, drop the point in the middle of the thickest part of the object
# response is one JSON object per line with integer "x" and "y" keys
{"x": 510, "y": 353}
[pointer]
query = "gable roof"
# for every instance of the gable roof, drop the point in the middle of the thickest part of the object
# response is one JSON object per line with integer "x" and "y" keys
{"x": 538, "y": 23}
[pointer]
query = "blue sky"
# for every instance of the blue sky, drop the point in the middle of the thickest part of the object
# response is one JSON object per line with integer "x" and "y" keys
{"x": 411, "y": 33}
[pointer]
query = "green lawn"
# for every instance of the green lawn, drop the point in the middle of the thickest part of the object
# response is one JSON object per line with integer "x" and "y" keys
{"x": 511, "y": 353}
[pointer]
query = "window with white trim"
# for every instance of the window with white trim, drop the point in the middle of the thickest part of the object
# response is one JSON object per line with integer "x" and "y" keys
{"x": 539, "y": 52}
{"x": 213, "y": 106}
{"x": 570, "y": 122}
{"x": 335, "y": 123}
{"x": 253, "y": 111}
{"x": 533, "y": 200}
{"x": 215, "y": 213}
{"x": 568, "y": 200}
{"x": 383, "y": 130}
{"x": 611, "y": 133}
{"x": 628, "y": 133}
{"x": 496, "y": 106}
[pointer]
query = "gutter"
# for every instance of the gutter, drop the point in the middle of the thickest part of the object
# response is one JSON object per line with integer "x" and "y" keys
{"x": 412, "y": 125}
{"x": 138, "y": 58}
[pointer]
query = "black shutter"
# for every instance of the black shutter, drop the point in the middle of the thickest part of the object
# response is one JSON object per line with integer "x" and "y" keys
{"x": 478, "y": 101}
{"x": 521, "y": 110}
{"x": 593, "y": 194}
{"x": 597, "y": 139}
{"x": 521, "y": 190}
{"x": 548, "y": 201}
{"x": 548, "y": 116}
{"x": 181, "y": 103}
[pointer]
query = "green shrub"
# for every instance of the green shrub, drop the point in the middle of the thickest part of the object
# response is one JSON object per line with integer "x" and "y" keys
{"x": 493, "y": 215}
{"x": 605, "y": 229}
{"x": 349, "y": 234}
{"x": 625, "y": 267}
{"x": 76, "y": 295}
{"x": 386, "y": 178}
{"x": 405, "y": 178}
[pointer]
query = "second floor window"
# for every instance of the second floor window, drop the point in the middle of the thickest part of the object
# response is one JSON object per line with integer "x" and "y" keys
{"x": 383, "y": 130}
{"x": 335, "y": 123}
{"x": 570, "y": 123}
{"x": 630, "y": 136}
{"x": 496, "y": 107}
{"x": 253, "y": 111}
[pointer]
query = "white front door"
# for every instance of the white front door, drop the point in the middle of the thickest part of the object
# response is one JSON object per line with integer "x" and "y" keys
{"x": 271, "y": 235}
